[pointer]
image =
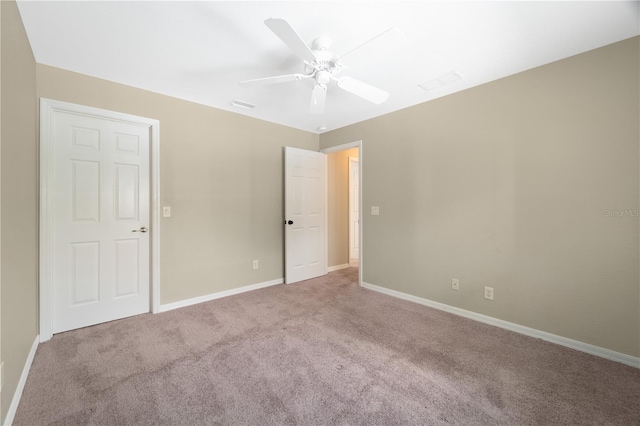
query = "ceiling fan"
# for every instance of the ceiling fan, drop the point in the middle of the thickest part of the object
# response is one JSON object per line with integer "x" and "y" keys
{"x": 320, "y": 64}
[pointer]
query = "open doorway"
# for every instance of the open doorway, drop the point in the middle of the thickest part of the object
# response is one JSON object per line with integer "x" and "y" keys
{"x": 344, "y": 221}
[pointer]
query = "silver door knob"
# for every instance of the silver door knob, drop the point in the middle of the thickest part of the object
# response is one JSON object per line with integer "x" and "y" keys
{"x": 143, "y": 230}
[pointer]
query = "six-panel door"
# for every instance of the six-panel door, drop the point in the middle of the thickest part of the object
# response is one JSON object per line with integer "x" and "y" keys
{"x": 101, "y": 202}
{"x": 305, "y": 199}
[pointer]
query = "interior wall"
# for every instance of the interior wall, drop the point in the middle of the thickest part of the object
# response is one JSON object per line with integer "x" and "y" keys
{"x": 528, "y": 184}
{"x": 338, "y": 206}
{"x": 18, "y": 203}
{"x": 222, "y": 175}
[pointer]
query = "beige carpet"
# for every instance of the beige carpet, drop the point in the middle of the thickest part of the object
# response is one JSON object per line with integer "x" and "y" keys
{"x": 319, "y": 352}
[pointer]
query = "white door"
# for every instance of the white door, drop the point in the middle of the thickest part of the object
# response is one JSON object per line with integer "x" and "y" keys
{"x": 100, "y": 218}
{"x": 354, "y": 210}
{"x": 305, "y": 222}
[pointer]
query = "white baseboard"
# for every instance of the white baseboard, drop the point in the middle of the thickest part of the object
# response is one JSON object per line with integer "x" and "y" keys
{"x": 337, "y": 267}
{"x": 23, "y": 380}
{"x": 543, "y": 335}
{"x": 218, "y": 295}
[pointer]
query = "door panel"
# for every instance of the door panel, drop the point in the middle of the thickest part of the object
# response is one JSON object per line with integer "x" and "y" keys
{"x": 85, "y": 272}
{"x": 305, "y": 199}
{"x": 127, "y": 253}
{"x": 127, "y": 188}
{"x": 85, "y": 184}
{"x": 101, "y": 196}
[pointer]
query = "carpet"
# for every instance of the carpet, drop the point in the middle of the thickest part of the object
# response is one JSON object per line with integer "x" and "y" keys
{"x": 319, "y": 352}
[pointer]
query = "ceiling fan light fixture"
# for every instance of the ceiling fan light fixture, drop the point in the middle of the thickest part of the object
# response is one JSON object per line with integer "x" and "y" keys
{"x": 244, "y": 105}
{"x": 321, "y": 65}
{"x": 323, "y": 77}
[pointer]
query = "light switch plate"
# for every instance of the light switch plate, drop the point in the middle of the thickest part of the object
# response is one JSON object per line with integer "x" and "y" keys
{"x": 166, "y": 211}
{"x": 375, "y": 210}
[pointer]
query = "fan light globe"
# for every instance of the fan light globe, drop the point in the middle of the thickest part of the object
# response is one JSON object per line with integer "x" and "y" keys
{"x": 323, "y": 77}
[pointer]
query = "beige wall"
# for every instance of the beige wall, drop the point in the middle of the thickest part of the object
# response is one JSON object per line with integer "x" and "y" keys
{"x": 19, "y": 200}
{"x": 338, "y": 205}
{"x": 508, "y": 185}
{"x": 222, "y": 175}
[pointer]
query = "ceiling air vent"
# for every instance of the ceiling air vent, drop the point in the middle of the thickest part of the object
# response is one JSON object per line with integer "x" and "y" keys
{"x": 449, "y": 77}
{"x": 244, "y": 105}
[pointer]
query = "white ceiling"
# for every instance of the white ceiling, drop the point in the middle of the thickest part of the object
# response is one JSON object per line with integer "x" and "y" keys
{"x": 198, "y": 51}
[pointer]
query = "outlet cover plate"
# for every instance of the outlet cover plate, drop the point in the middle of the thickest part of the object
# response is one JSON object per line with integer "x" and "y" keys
{"x": 488, "y": 293}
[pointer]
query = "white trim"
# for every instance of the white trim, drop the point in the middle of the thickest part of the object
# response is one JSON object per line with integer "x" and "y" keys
{"x": 47, "y": 108}
{"x": 337, "y": 267}
{"x": 360, "y": 219}
{"x": 155, "y": 217}
{"x": 532, "y": 332}
{"x": 218, "y": 295}
{"x": 15, "y": 401}
{"x": 342, "y": 147}
{"x": 352, "y": 160}
{"x": 326, "y": 215}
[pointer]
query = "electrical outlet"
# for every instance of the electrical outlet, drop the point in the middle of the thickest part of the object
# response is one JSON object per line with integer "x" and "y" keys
{"x": 375, "y": 210}
{"x": 455, "y": 284}
{"x": 255, "y": 264}
{"x": 166, "y": 211}
{"x": 488, "y": 293}
{"x": 1, "y": 375}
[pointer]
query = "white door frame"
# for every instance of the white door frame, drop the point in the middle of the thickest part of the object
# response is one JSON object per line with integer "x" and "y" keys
{"x": 353, "y": 160}
{"x": 342, "y": 147}
{"x": 47, "y": 108}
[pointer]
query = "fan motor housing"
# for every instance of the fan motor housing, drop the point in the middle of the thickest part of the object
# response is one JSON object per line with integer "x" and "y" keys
{"x": 325, "y": 61}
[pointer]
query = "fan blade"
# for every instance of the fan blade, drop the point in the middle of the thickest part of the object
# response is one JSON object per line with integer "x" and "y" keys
{"x": 390, "y": 34}
{"x": 365, "y": 91}
{"x": 290, "y": 37}
{"x": 271, "y": 80}
{"x": 318, "y": 97}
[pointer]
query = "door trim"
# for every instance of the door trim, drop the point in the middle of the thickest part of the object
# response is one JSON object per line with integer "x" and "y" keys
{"x": 47, "y": 108}
{"x": 342, "y": 147}
{"x": 351, "y": 239}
